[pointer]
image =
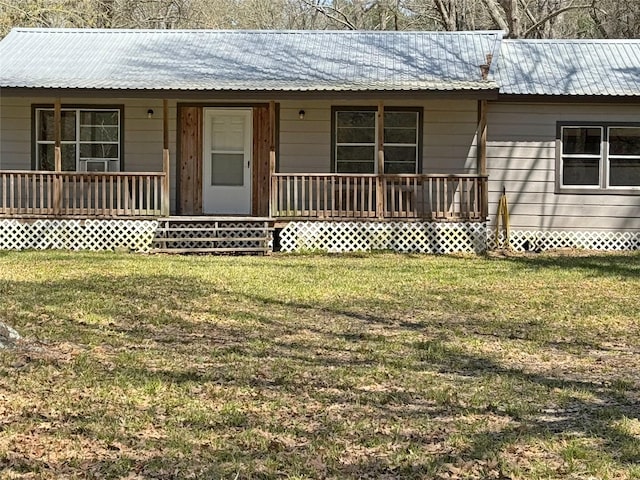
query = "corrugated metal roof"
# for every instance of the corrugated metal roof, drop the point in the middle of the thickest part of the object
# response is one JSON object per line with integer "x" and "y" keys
{"x": 569, "y": 67}
{"x": 245, "y": 60}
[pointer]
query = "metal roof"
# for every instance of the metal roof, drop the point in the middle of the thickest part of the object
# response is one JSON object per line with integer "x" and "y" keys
{"x": 569, "y": 67}
{"x": 236, "y": 60}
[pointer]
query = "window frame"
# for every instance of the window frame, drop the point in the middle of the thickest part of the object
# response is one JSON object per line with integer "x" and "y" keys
{"x": 387, "y": 109}
{"x": 35, "y": 142}
{"x": 603, "y": 186}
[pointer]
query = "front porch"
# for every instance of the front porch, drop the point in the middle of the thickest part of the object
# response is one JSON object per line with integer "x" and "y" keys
{"x": 297, "y": 194}
{"x": 334, "y": 212}
{"x": 270, "y": 190}
{"x": 293, "y": 196}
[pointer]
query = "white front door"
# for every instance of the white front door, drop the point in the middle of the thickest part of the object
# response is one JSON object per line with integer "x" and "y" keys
{"x": 226, "y": 175}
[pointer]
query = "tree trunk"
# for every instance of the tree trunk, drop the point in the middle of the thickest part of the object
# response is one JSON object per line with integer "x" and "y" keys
{"x": 497, "y": 15}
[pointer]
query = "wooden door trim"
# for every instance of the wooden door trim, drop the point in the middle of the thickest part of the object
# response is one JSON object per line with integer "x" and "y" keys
{"x": 189, "y": 193}
{"x": 189, "y": 171}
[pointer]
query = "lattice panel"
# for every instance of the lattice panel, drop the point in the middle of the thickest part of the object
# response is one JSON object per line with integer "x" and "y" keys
{"x": 540, "y": 241}
{"x": 96, "y": 235}
{"x": 415, "y": 237}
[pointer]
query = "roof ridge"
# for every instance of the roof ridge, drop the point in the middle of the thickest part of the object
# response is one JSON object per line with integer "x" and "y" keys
{"x": 252, "y": 31}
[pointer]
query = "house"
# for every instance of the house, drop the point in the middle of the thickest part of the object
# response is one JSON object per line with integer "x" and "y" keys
{"x": 339, "y": 140}
{"x": 564, "y": 143}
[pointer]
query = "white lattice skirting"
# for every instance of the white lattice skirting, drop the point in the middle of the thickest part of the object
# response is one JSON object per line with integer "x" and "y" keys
{"x": 540, "y": 241}
{"x": 468, "y": 237}
{"x": 425, "y": 237}
{"x": 96, "y": 235}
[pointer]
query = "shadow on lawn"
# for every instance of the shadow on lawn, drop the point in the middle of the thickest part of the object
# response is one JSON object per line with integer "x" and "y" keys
{"x": 597, "y": 265}
{"x": 576, "y": 416}
{"x": 158, "y": 312}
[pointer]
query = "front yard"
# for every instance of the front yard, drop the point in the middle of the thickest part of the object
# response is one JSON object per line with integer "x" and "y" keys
{"x": 346, "y": 367}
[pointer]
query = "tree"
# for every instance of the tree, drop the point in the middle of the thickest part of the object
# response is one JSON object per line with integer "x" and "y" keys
{"x": 615, "y": 19}
{"x": 49, "y": 13}
{"x": 518, "y": 18}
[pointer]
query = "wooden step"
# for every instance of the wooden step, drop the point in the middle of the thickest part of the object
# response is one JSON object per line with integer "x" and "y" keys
{"x": 207, "y": 229}
{"x": 257, "y": 234}
{"x": 211, "y": 250}
{"x": 218, "y": 218}
{"x": 211, "y": 239}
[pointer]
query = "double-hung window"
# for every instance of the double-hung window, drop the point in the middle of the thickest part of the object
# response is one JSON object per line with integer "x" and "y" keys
{"x": 91, "y": 139}
{"x": 355, "y": 133}
{"x": 624, "y": 157}
{"x": 597, "y": 158}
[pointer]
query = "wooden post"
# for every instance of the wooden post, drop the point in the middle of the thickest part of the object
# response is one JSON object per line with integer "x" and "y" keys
{"x": 481, "y": 156}
{"x": 380, "y": 193}
{"x": 272, "y": 155}
{"x": 165, "y": 124}
{"x": 166, "y": 182}
{"x": 481, "y": 153}
{"x": 57, "y": 156}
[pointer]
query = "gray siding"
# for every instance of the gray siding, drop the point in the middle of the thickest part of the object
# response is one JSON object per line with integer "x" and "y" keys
{"x": 15, "y": 134}
{"x": 448, "y": 135}
{"x": 522, "y": 158}
{"x": 142, "y": 135}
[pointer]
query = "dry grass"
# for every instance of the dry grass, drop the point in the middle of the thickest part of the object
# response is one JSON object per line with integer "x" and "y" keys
{"x": 377, "y": 366}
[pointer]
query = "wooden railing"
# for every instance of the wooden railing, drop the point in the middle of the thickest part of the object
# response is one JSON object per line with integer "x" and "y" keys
{"x": 86, "y": 194}
{"x": 434, "y": 197}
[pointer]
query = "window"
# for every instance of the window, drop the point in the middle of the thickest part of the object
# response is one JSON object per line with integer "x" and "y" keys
{"x": 90, "y": 139}
{"x": 355, "y": 134}
{"x": 599, "y": 157}
{"x": 624, "y": 157}
{"x": 581, "y": 156}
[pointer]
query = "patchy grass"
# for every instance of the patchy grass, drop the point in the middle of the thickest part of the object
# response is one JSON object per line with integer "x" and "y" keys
{"x": 376, "y": 366}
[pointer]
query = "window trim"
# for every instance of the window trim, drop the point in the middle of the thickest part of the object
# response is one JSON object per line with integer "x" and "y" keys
{"x": 369, "y": 108}
{"x": 603, "y": 187}
{"x": 82, "y": 106}
{"x": 600, "y": 157}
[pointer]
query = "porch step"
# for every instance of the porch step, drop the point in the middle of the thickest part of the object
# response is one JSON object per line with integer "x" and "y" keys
{"x": 214, "y": 235}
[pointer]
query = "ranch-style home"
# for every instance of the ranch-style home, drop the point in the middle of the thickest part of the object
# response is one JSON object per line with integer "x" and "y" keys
{"x": 225, "y": 141}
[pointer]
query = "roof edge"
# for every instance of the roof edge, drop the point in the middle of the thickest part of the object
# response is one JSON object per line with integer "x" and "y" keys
{"x": 566, "y": 98}
{"x": 571, "y": 40}
{"x": 479, "y": 94}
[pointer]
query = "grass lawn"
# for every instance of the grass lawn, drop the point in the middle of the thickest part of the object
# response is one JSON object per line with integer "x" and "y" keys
{"x": 379, "y": 366}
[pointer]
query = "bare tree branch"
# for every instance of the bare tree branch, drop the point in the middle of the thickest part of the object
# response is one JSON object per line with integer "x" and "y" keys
{"x": 331, "y": 12}
{"x": 527, "y": 11}
{"x": 551, "y": 15}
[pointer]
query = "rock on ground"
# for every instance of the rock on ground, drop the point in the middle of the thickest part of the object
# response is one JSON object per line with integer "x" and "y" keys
{"x": 8, "y": 336}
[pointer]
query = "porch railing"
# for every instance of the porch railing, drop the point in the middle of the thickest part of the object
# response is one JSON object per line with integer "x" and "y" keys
{"x": 86, "y": 194}
{"x": 342, "y": 196}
